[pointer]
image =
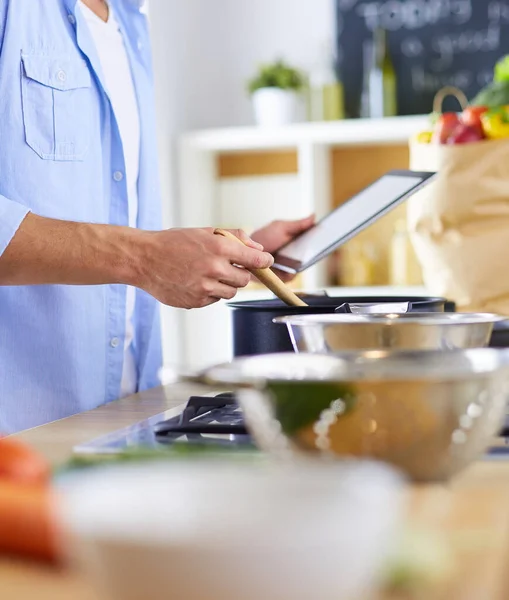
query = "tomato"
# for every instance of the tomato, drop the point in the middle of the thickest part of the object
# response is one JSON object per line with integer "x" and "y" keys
{"x": 444, "y": 126}
{"x": 472, "y": 117}
{"x": 19, "y": 463}
{"x": 464, "y": 134}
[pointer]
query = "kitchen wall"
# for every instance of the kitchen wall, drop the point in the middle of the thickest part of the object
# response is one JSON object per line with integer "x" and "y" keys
{"x": 210, "y": 47}
{"x": 204, "y": 50}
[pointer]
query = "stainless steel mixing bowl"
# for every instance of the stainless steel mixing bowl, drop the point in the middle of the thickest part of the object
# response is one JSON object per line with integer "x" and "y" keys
{"x": 428, "y": 413}
{"x": 406, "y": 331}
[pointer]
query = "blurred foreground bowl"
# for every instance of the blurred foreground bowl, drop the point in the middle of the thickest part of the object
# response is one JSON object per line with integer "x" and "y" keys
{"x": 429, "y": 413}
{"x": 206, "y": 530}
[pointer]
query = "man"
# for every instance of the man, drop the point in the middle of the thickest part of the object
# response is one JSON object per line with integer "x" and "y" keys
{"x": 83, "y": 260}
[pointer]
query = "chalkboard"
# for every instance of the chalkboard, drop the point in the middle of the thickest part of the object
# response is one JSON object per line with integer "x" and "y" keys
{"x": 433, "y": 43}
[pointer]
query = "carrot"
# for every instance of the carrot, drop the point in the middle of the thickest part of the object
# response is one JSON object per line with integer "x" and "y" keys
{"x": 27, "y": 527}
{"x": 19, "y": 462}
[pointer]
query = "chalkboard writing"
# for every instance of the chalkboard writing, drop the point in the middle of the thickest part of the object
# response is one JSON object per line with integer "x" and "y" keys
{"x": 433, "y": 43}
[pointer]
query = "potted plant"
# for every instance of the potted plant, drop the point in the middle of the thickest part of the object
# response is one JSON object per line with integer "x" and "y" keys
{"x": 277, "y": 94}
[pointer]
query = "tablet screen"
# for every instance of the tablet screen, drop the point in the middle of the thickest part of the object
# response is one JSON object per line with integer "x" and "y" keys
{"x": 349, "y": 219}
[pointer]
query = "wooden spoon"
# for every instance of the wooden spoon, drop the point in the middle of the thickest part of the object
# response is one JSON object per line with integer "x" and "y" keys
{"x": 268, "y": 277}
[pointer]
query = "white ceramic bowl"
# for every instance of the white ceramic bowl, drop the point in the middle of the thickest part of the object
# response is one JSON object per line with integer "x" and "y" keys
{"x": 227, "y": 531}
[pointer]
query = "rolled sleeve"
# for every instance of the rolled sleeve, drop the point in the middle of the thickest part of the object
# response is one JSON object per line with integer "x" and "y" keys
{"x": 11, "y": 216}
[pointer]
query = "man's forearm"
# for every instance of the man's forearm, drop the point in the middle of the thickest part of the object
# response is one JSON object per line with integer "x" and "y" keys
{"x": 48, "y": 251}
{"x": 186, "y": 268}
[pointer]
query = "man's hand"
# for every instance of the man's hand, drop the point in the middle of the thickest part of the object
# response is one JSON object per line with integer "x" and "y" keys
{"x": 192, "y": 268}
{"x": 279, "y": 233}
{"x": 186, "y": 268}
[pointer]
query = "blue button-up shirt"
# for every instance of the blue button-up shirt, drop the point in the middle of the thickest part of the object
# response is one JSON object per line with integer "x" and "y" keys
{"x": 61, "y": 347}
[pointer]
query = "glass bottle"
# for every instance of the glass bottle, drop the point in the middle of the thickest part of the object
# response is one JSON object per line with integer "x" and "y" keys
{"x": 379, "y": 93}
{"x": 398, "y": 270}
{"x": 358, "y": 264}
{"x": 326, "y": 95}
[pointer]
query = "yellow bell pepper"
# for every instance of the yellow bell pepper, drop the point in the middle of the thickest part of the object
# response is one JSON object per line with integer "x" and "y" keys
{"x": 496, "y": 123}
{"x": 424, "y": 137}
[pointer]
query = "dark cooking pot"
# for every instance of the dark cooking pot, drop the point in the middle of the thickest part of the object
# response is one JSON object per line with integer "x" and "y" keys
{"x": 255, "y": 333}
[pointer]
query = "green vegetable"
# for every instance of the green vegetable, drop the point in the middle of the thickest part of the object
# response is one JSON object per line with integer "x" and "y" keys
{"x": 502, "y": 70}
{"x": 433, "y": 118}
{"x": 140, "y": 454}
{"x": 496, "y": 93}
{"x": 421, "y": 560}
{"x": 277, "y": 75}
{"x": 493, "y": 95}
{"x": 298, "y": 404}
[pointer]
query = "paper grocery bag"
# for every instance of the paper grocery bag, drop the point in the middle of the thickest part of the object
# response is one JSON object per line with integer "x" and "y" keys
{"x": 459, "y": 223}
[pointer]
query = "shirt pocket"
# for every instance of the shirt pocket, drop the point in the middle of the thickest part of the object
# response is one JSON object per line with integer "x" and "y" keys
{"x": 57, "y": 106}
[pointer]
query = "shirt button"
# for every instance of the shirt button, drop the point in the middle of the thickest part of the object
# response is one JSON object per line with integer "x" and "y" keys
{"x": 118, "y": 176}
{"x": 72, "y": 19}
{"x": 62, "y": 76}
{"x": 140, "y": 45}
{"x": 114, "y": 342}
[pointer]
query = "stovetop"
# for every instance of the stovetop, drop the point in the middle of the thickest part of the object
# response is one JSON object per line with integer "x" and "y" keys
{"x": 206, "y": 420}
{"x": 212, "y": 420}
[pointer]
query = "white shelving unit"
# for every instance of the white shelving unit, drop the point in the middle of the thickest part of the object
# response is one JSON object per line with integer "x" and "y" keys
{"x": 200, "y": 195}
{"x": 337, "y": 133}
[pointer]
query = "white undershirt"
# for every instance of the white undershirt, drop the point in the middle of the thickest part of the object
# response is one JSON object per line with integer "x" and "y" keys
{"x": 122, "y": 94}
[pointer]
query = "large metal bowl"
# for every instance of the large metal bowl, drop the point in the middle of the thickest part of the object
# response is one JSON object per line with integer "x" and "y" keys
{"x": 428, "y": 413}
{"x": 408, "y": 331}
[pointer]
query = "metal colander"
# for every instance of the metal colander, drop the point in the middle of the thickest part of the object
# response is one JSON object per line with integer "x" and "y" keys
{"x": 429, "y": 413}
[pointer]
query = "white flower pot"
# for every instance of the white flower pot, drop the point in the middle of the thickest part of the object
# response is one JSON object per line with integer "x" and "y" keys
{"x": 274, "y": 107}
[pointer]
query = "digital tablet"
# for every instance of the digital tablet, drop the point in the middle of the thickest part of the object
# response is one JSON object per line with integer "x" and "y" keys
{"x": 349, "y": 219}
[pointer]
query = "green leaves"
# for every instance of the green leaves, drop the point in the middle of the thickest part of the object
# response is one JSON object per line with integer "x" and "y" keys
{"x": 177, "y": 451}
{"x": 493, "y": 95}
{"x": 277, "y": 75}
{"x": 501, "y": 73}
{"x": 298, "y": 404}
{"x": 501, "y": 112}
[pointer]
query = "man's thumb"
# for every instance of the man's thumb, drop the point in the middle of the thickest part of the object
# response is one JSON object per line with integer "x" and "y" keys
{"x": 301, "y": 225}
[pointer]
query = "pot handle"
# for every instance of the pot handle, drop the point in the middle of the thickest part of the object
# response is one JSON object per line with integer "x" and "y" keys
{"x": 343, "y": 308}
{"x": 366, "y": 308}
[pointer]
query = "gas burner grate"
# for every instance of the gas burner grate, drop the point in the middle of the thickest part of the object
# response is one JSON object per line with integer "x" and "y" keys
{"x": 214, "y": 418}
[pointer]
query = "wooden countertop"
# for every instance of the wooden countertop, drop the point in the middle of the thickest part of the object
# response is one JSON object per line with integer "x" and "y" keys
{"x": 475, "y": 505}
{"x": 56, "y": 440}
